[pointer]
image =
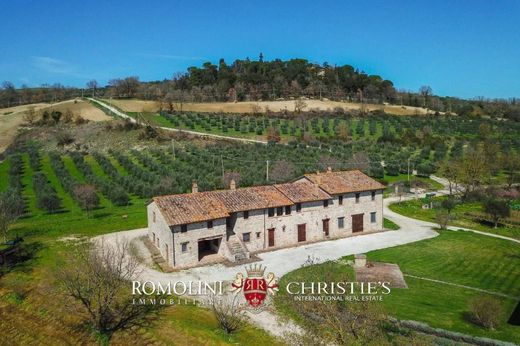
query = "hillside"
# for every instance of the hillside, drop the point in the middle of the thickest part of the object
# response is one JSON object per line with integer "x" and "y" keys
{"x": 12, "y": 118}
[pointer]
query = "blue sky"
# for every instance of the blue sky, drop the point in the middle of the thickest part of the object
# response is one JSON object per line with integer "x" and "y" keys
{"x": 461, "y": 48}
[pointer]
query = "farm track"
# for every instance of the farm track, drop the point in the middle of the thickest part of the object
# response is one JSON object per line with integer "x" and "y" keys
{"x": 195, "y": 133}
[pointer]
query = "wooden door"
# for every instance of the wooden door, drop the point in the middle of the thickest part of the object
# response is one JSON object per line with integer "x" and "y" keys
{"x": 326, "y": 227}
{"x": 271, "y": 236}
{"x": 302, "y": 234}
{"x": 357, "y": 223}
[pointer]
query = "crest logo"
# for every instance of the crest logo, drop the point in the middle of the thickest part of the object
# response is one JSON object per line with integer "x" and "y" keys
{"x": 256, "y": 287}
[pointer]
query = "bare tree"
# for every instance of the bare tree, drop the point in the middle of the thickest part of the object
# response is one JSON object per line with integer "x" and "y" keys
{"x": 96, "y": 276}
{"x": 256, "y": 109}
{"x": 473, "y": 171}
{"x": 30, "y": 115}
{"x": 342, "y": 322}
{"x": 92, "y": 85}
{"x": 299, "y": 105}
{"x": 282, "y": 171}
{"x": 442, "y": 218}
{"x": 227, "y": 312}
{"x": 87, "y": 197}
{"x": 426, "y": 92}
{"x": 273, "y": 134}
{"x": 449, "y": 171}
{"x": 342, "y": 131}
{"x": 228, "y": 177}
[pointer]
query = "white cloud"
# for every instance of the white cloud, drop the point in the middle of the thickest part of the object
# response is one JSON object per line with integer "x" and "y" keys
{"x": 52, "y": 65}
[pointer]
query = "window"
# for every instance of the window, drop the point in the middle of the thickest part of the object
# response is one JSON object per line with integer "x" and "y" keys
{"x": 288, "y": 210}
{"x": 210, "y": 224}
{"x": 373, "y": 195}
{"x": 246, "y": 214}
{"x": 184, "y": 247}
{"x": 246, "y": 237}
{"x": 298, "y": 207}
{"x": 357, "y": 197}
{"x": 258, "y": 234}
{"x": 373, "y": 217}
{"x": 184, "y": 228}
{"x": 340, "y": 200}
{"x": 325, "y": 203}
{"x": 341, "y": 222}
{"x": 270, "y": 212}
{"x": 279, "y": 211}
{"x": 153, "y": 216}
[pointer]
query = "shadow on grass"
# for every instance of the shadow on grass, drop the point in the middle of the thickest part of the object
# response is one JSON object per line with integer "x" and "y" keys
{"x": 21, "y": 260}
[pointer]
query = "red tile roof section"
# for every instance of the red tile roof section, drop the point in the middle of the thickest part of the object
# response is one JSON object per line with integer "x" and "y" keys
{"x": 344, "y": 182}
{"x": 203, "y": 206}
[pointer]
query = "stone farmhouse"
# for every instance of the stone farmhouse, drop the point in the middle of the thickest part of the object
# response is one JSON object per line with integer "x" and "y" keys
{"x": 204, "y": 227}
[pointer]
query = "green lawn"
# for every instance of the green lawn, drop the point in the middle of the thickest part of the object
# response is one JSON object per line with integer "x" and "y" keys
{"x": 461, "y": 258}
{"x": 457, "y": 257}
{"x": 389, "y": 224}
{"x": 413, "y": 208}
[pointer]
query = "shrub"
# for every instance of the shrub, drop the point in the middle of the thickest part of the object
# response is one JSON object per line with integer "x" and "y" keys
{"x": 497, "y": 209}
{"x": 485, "y": 311}
{"x": 64, "y": 138}
{"x": 392, "y": 169}
{"x": 442, "y": 218}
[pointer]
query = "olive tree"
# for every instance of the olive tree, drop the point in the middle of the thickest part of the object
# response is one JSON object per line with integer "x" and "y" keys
{"x": 11, "y": 208}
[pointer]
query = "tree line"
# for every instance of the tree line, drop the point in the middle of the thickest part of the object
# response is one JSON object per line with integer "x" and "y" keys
{"x": 255, "y": 80}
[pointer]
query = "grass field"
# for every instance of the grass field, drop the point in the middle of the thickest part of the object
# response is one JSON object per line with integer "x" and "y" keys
{"x": 413, "y": 208}
{"x": 134, "y": 105}
{"x": 457, "y": 257}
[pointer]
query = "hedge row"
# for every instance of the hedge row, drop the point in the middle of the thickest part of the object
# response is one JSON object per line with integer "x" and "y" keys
{"x": 14, "y": 190}
{"x": 46, "y": 197}
{"x": 113, "y": 191}
{"x": 67, "y": 181}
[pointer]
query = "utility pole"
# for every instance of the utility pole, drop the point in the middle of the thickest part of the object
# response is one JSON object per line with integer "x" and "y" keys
{"x": 267, "y": 170}
{"x": 409, "y": 170}
{"x": 173, "y": 148}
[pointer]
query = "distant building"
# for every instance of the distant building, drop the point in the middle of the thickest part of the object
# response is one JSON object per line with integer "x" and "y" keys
{"x": 203, "y": 227}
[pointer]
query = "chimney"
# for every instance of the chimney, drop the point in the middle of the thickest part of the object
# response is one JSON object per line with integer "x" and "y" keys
{"x": 329, "y": 169}
{"x": 232, "y": 185}
{"x": 194, "y": 187}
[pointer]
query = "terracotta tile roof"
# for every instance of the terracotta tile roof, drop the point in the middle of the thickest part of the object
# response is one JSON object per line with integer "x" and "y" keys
{"x": 344, "y": 181}
{"x": 303, "y": 191}
{"x": 210, "y": 205}
{"x": 190, "y": 208}
{"x": 252, "y": 198}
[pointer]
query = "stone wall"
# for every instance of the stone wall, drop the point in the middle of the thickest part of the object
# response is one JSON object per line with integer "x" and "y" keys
{"x": 257, "y": 224}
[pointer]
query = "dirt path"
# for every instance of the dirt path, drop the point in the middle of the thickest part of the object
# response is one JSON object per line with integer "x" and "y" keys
{"x": 134, "y": 105}
{"x": 462, "y": 286}
{"x": 195, "y": 133}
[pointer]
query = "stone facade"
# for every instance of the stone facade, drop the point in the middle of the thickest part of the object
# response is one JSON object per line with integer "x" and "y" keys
{"x": 183, "y": 245}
